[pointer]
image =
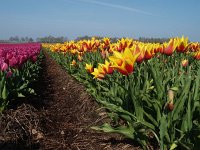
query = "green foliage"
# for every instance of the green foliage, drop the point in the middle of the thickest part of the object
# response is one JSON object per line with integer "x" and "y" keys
{"x": 141, "y": 99}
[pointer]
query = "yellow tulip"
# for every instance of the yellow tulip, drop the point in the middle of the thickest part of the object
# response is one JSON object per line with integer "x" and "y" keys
{"x": 98, "y": 73}
{"x": 89, "y": 68}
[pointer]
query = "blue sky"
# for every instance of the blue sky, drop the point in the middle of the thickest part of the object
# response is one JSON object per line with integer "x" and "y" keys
{"x": 112, "y": 18}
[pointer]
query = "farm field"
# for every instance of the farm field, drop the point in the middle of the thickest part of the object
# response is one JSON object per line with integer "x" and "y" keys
{"x": 99, "y": 94}
{"x": 99, "y": 75}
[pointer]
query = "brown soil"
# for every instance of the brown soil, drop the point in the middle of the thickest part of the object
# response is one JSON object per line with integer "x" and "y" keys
{"x": 58, "y": 118}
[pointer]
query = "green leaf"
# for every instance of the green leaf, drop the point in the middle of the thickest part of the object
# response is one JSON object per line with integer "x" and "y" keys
{"x": 126, "y": 131}
{"x": 20, "y": 95}
{"x": 179, "y": 104}
{"x": 2, "y": 84}
{"x": 174, "y": 88}
{"x": 196, "y": 92}
{"x": 4, "y": 92}
{"x": 31, "y": 91}
{"x": 150, "y": 117}
{"x": 163, "y": 130}
{"x": 173, "y": 146}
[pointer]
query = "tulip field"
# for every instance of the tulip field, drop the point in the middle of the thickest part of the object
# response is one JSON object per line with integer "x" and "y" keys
{"x": 18, "y": 69}
{"x": 149, "y": 90}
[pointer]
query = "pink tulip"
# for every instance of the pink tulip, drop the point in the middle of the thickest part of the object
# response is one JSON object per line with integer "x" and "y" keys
{"x": 15, "y": 55}
{"x": 2, "y": 53}
{"x": 4, "y": 66}
{"x": 9, "y": 56}
{"x": 13, "y": 62}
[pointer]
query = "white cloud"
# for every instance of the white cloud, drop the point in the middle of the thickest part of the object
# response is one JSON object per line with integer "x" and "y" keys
{"x": 117, "y": 7}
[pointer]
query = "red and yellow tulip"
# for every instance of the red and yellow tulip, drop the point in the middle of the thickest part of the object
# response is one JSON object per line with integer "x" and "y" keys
{"x": 89, "y": 68}
{"x": 169, "y": 47}
{"x": 99, "y": 73}
{"x": 124, "y": 61}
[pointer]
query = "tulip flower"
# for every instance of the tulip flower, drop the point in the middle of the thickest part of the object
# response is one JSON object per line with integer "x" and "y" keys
{"x": 13, "y": 61}
{"x": 4, "y": 66}
{"x": 184, "y": 62}
{"x": 194, "y": 47}
{"x": 106, "y": 41}
{"x": 138, "y": 49}
{"x": 22, "y": 59}
{"x": 182, "y": 44}
{"x": 73, "y": 63}
{"x": 99, "y": 73}
{"x": 140, "y": 58}
{"x": 89, "y": 68}
{"x": 197, "y": 55}
{"x": 122, "y": 45}
{"x": 80, "y": 58}
{"x": 124, "y": 61}
{"x": 9, "y": 56}
{"x": 148, "y": 52}
{"x": 2, "y": 53}
{"x": 170, "y": 103}
{"x": 34, "y": 58}
{"x": 107, "y": 67}
{"x": 104, "y": 53}
{"x": 170, "y": 48}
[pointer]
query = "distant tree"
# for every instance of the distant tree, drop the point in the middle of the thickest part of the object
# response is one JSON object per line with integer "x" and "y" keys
{"x": 51, "y": 39}
{"x": 14, "y": 39}
{"x": 4, "y": 41}
{"x": 31, "y": 40}
{"x": 26, "y": 39}
{"x": 23, "y": 39}
{"x": 83, "y": 38}
{"x": 113, "y": 39}
{"x": 11, "y": 39}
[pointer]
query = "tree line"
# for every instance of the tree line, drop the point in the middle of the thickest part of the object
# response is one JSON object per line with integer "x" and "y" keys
{"x": 62, "y": 39}
{"x": 17, "y": 39}
{"x": 46, "y": 39}
{"x": 114, "y": 39}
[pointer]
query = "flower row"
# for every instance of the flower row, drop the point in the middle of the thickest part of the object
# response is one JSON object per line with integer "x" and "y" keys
{"x": 19, "y": 68}
{"x": 123, "y": 54}
{"x": 15, "y": 55}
